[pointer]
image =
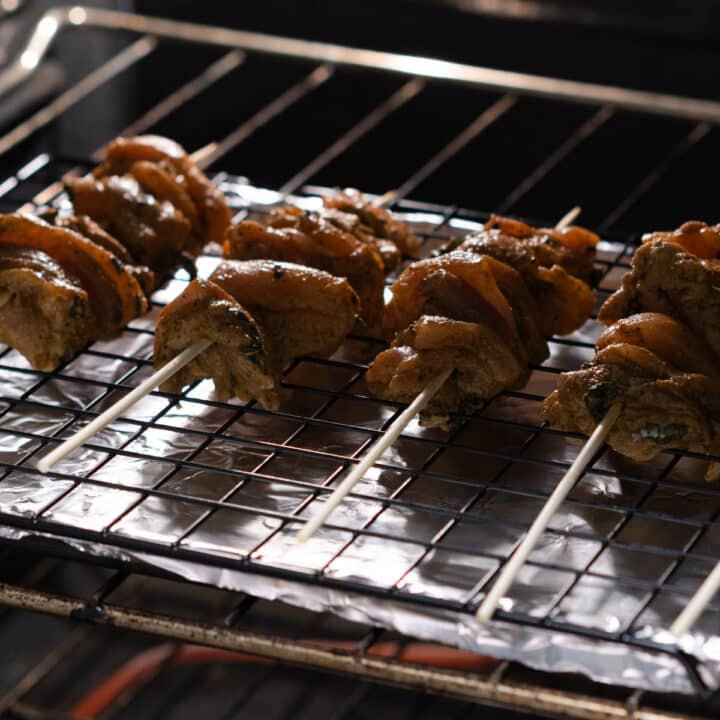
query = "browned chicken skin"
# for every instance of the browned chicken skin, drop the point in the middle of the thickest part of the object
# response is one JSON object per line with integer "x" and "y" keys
{"x": 695, "y": 236}
{"x": 483, "y": 366}
{"x": 259, "y": 315}
{"x": 353, "y": 212}
{"x": 556, "y": 274}
{"x": 667, "y": 279}
{"x": 293, "y": 235}
{"x": 44, "y": 314}
{"x": 114, "y": 293}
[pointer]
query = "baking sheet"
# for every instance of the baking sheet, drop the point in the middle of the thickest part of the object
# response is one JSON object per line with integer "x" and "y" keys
{"x": 415, "y": 546}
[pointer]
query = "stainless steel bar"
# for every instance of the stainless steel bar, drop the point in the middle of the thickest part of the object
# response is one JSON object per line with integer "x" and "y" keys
{"x": 484, "y": 120}
{"x": 214, "y": 72}
{"x": 399, "y": 98}
{"x": 316, "y": 78}
{"x": 466, "y": 685}
{"x": 488, "y": 78}
{"x": 123, "y": 60}
{"x": 581, "y": 134}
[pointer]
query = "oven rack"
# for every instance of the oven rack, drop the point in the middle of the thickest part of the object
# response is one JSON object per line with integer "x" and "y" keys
{"x": 22, "y": 185}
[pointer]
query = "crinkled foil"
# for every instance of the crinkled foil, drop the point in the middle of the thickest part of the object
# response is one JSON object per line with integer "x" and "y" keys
{"x": 618, "y": 546}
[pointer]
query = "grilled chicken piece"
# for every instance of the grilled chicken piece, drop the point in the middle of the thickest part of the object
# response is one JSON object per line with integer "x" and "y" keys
{"x": 698, "y": 238}
{"x": 573, "y": 247}
{"x": 155, "y": 232}
{"x": 303, "y": 311}
{"x": 175, "y": 178}
{"x": 308, "y": 239}
{"x": 373, "y": 224}
{"x": 471, "y": 288}
{"x": 259, "y": 315}
{"x": 483, "y": 366}
{"x": 564, "y": 300}
{"x": 88, "y": 228}
{"x": 44, "y": 314}
{"x": 667, "y": 409}
{"x": 667, "y": 279}
{"x": 238, "y": 361}
{"x": 114, "y": 294}
{"x": 669, "y": 339}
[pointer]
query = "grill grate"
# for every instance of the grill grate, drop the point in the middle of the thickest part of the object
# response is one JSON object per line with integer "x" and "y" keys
{"x": 435, "y": 498}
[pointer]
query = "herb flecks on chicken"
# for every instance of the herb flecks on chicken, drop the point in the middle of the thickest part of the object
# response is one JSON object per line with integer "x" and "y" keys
{"x": 259, "y": 316}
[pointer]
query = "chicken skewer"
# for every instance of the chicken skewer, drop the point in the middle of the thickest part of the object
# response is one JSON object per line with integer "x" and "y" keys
{"x": 184, "y": 359}
{"x": 391, "y": 434}
{"x": 653, "y": 342}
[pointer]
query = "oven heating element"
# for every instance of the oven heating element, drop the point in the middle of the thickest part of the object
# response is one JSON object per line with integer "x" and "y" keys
{"x": 437, "y": 499}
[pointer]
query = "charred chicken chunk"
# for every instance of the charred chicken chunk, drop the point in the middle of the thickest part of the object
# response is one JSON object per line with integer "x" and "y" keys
{"x": 483, "y": 366}
{"x": 259, "y": 315}
{"x": 667, "y": 279}
{"x": 352, "y": 211}
{"x": 115, "y": 295}
{"x": 293, "y": 235}
{"x": 44, "y": 314}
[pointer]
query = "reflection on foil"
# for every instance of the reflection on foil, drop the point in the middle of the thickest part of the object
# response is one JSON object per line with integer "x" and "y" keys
{"x": 229, "y": 480}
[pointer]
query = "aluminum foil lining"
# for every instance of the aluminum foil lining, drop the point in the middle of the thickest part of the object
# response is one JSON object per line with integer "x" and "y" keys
{"x": 425, "y": 531}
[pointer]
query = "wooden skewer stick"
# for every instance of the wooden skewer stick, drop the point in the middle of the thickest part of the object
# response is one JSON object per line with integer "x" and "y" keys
{"x": 521, "y": 554}
{"x": 157, "y": 378}
{"x": 694, "y": 609}
{"x": 395, "y": 429}
{"x": 358, "y": 472}
{"x": 145, "y": 388}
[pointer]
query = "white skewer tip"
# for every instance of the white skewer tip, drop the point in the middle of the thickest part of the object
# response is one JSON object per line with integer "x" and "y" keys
{"x": 375, "y": 452}
{"x": 145, "y": 388}
{"x": 201, "y": 157}
{"x": 517, "y": 560}
{"x": 568, "y": 218}
{"x": 697, "y": 605}
{"x": 386, "y": 199}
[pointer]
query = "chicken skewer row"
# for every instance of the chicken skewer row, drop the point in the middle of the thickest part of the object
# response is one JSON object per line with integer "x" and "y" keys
{"x": 250, "y": 318}
{"x": 349, "y": 237}
{"x": 654, "y": 382}
{"x": 467, "y": 328}
{"x": 66, "y": 281}
{"x": 240, "y": 327}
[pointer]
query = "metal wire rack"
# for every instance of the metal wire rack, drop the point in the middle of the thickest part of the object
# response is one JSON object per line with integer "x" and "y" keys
{"x": 226, "y": 486}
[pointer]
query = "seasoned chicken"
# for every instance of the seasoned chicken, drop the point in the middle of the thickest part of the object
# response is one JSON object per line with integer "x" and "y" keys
{"x": 154, "y": 231}
{"x": 295, "y": 236}
{"x": 259, "y": 315}
{"x": 667, "y": 279}
{"x": 350, "y": 210}
{"x": 669, "y": 339}
{"x": 669, "y": 409}
{"x": 483, "y": 366}
{"x": 572, "y": 248}
{"x": 44, "y": 314}
{"x": 114, "y": 294}
{"x": 302, "y": 310}
{"x": 564, "y": 301}
{"x": 471, "y": 288}
{"x": 88, "y": 228}
{"x": 698, "y": 238}
{"x": 238, "y": 361}
{"x": 166, "y": 171}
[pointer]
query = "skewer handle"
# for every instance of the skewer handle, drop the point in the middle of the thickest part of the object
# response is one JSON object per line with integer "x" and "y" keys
{"x": 699, "y": 601}
{"x": 521, "y": 554}
{"x": 385, "y": 441}
{"x": 145, "y": 388}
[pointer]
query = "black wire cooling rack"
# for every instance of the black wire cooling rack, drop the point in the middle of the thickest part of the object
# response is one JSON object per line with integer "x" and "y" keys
{"x": 228, "y": 485}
